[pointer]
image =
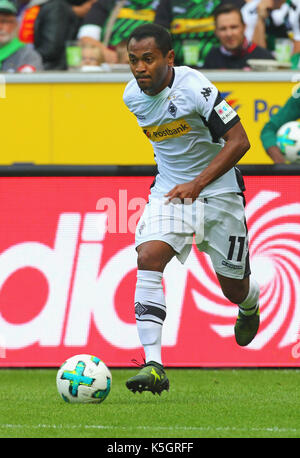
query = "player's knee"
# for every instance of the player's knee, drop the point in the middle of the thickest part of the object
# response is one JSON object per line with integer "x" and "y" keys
{"x": 147, "y": 261}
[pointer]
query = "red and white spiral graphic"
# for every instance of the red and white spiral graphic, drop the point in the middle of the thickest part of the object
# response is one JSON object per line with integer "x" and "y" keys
{"x": 274, "y": 233}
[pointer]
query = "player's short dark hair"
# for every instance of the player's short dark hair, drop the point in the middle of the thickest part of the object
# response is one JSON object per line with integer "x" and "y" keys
{"x": 161, "y": 35}
{"x": 227, "y": 8}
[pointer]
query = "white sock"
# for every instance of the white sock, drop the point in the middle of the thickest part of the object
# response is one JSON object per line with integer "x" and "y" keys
{"x": 150, "y": 312}
{"x": 250, "y": 304}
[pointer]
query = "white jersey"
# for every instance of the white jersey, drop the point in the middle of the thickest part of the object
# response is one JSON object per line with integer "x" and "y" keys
{"x": 184, "y": 123}
{"x": 249, "y": 13}
{"x": 294, "y": 19}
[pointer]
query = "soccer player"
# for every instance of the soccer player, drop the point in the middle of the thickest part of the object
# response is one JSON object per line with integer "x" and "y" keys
{"x": 197, "y": 139}
{"x": 289, "y": 112}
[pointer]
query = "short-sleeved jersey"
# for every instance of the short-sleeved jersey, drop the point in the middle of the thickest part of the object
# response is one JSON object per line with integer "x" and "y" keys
{"x": 294, "y": 18}
{"x": 185, "y": 124}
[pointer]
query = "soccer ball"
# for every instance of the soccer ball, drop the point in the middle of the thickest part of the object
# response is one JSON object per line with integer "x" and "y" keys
{"x": 288, "y": 141}
{"x": 83, "y": 379}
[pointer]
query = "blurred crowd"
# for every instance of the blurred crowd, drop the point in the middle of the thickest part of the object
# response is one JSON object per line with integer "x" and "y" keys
{"x": 39, "y": 35}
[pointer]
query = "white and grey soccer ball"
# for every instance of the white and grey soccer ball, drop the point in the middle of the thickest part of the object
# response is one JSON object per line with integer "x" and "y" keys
{"x": 83, "y": 379}
{"x": 288, "y": 141}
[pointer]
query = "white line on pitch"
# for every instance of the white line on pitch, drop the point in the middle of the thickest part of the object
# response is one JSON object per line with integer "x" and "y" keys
{"x": 274, "y": 429}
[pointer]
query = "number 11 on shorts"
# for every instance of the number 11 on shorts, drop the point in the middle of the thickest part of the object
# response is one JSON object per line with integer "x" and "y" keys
{"x": 232, "y": 240}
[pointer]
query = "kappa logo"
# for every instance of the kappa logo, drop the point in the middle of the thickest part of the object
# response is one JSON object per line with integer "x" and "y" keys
{"x": 206, "y": 92}
{"x": 172, "y": 109}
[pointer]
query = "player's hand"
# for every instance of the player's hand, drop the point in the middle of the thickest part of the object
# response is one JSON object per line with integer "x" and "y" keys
{"x": 263, "y": 8}
{"x": 276, "y": 155}
{"x": 184, "y": 193}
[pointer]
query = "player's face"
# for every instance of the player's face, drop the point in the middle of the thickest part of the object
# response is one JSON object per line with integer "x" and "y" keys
{"x": 152, "y": 70}
{"x": 230, "y": 30}
{"x": 8, "y": 27}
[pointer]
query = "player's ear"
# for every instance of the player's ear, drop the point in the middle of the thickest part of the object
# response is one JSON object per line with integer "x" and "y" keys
{"x": 171, "y": 57}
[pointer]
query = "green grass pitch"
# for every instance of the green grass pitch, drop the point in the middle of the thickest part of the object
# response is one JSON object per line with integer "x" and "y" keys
{"x": 213, "y": 403}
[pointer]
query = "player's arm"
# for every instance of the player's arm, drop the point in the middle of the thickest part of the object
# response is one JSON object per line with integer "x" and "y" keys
{"x": 90, "y": 32}
{"x": 289, "y": 112}
{"x": 237, "y": 144}
{"x": 222, "y": 122}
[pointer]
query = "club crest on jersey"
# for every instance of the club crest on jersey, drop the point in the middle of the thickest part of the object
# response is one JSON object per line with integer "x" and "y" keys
{"x": 172, "y": 109}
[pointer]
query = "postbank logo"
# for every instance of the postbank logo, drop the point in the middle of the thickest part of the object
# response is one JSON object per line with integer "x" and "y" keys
{"x": 166, "y": 131}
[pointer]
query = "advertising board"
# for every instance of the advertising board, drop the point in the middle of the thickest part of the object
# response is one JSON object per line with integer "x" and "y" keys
{"x": 68, "y": 271}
